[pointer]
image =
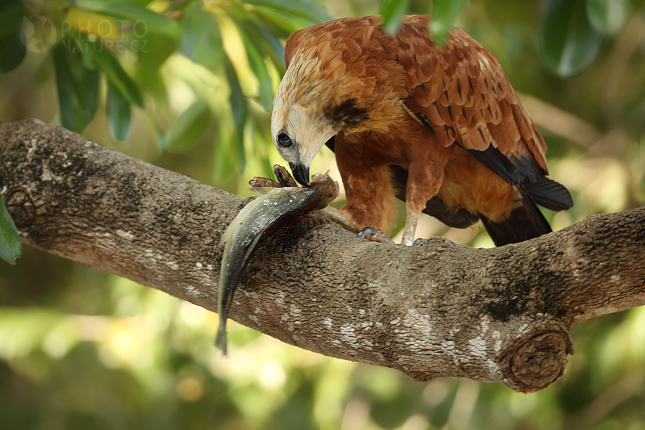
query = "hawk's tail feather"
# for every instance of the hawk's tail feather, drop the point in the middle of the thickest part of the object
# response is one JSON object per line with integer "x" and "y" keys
{"x": 524, "y": 223}
{"x": 550, "y": 194}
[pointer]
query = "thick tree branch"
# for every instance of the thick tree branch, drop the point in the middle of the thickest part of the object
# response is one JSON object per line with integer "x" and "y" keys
{"x": 437, "y": 309}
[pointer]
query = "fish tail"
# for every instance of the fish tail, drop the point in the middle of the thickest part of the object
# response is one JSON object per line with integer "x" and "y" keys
{"x": 220, "y": 339}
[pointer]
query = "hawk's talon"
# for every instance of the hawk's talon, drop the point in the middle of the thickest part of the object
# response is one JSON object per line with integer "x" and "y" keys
{"x": 281, "y": 179}
{"x": 283, "y": 176}
{"x": 365, "y": 232}
{"x": 374, "y": 235}
{"x": 281, "y": 173}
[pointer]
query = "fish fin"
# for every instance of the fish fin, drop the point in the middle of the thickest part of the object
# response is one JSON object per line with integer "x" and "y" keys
{"x": 263, "y": 190}
{"x": 250, "y": 250}
{"x": 267, "y": 190}
{"x": 319, "y": 177}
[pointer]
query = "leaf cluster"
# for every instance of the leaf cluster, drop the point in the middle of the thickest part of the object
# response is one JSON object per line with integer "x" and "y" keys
{"x": 113, "y": 54}
{"x": 571, "y": 32}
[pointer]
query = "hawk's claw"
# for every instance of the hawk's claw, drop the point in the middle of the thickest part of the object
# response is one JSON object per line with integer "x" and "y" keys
{"x": 367, "y": 231}
{"x": 284, "y": 177}
{"x": 374, "y": 235}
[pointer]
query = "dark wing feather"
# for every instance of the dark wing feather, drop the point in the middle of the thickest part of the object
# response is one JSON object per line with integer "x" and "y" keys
{"x": 525, "y": 222}
{"x": 550, "y": 194}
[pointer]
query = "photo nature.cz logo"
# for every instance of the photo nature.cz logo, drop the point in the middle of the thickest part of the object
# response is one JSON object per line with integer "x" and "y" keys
{"x": 39, "y": 34}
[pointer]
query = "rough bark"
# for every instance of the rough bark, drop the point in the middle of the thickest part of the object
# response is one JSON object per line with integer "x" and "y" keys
{"x": 435, "y": 309}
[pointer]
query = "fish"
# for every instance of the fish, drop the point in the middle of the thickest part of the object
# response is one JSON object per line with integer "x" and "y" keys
{"x": 273, "y": 209}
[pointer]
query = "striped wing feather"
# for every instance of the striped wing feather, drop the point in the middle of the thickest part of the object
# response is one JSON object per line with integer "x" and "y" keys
{"x": 461, "y": 93}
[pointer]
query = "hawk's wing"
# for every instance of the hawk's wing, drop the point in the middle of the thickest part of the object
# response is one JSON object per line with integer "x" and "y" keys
{"x": 461, "y": 94}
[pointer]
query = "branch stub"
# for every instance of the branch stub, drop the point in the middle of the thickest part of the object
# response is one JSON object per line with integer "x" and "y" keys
{"x": 535, "y": 361}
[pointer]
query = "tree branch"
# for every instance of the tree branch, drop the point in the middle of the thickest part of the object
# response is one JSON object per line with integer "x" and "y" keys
{"x": 437, "y": 309}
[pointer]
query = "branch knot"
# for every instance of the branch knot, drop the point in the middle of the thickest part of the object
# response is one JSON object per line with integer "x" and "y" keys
{"x": 537, "y": 358}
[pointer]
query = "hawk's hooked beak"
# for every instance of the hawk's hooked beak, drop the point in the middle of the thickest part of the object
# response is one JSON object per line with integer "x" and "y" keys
{"x": 300, "y": 172}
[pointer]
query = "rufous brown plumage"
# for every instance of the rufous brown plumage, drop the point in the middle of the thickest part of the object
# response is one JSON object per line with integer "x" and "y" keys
{"x": 439, "y": 127}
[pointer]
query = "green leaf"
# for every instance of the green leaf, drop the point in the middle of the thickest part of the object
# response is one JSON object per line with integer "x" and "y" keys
{"x": 444, "y": 14}
{"x": 226, "y": 158}
{"x": 265, "y": 43}
{"x": 12, "y": 52}
{"x": 118, "y": 77}
{"x": 119, "y": 113}
{"x": 65, "y": 89}
{"x": 10, "y": 246}
{"x": 142, "y": 3}
{"x": 201, "y": 39}
{"x": 567, "y": 42}
{"x": 282, "y": 20}
{"x": 12, "y": 13}
{"x": 189, "y": 127}
{"x": 156, "y": 52}
{"x": 12, "y": 46}
{"x": 608, "y": 16}
{"x": 273, "y": 47}
{"x": 239, "y": 109}
{"x": 77, "y": 86}
{"x": 133, "y": 12}
{"x": 299, "y": 8}
{"x": 259, "y": 68}
{"x": 392, "y": 12}
{"x": 86, "y": 88}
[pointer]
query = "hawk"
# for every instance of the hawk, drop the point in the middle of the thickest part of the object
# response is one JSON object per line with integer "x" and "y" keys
{"x": 439, "y": 127}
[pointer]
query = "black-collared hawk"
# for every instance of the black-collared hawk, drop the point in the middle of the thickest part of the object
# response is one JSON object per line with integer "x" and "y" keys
{"x": 439, "y": 127}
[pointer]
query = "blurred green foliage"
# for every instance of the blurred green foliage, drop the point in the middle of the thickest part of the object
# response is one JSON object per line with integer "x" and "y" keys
{"x": 444, "y": 13}
{"x": 188, "y": 85}
{"x": 10, "y": 246}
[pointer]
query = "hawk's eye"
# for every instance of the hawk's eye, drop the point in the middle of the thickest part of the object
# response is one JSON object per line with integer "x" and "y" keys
{"x": 284, "y": 140}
